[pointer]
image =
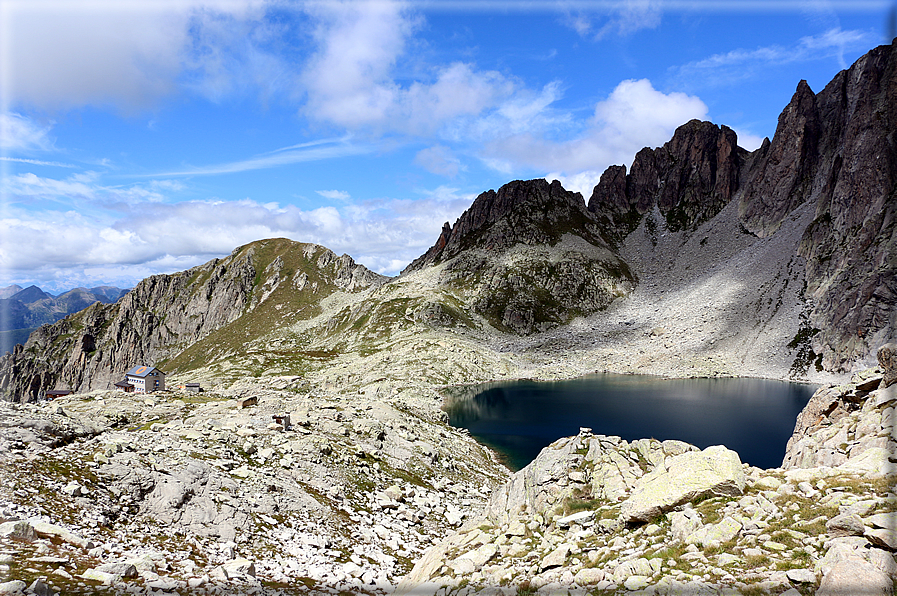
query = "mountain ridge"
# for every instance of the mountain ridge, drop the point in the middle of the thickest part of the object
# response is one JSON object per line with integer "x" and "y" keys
{"x": 695, "y": 262}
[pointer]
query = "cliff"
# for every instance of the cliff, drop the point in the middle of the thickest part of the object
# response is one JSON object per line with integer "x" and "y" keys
{"x": 690, "y": 179}
{"x": 833, "y": 156}
{"x": 528, "y": 257}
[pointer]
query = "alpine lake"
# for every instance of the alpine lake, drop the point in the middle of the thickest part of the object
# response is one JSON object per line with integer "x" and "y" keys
{"x": 754, "y": 417}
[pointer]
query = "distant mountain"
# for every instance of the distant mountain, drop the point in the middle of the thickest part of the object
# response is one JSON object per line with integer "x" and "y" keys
{"x": 8, "y": 291}
{"x": 29, "y": 308}
{"x": 30, "y": 295}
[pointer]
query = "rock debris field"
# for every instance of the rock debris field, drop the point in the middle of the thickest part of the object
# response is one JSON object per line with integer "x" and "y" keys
{"x": 181, "y": 493}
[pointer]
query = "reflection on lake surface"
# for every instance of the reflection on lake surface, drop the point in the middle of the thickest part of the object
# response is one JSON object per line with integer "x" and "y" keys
{"x": 754, "y": 417}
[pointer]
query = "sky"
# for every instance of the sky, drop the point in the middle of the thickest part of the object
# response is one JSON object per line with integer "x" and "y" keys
{"x": 140, "y": 137}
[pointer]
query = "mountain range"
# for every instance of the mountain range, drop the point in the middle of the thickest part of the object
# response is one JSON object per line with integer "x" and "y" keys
{"x": 701, "y": 259}
{"x": 25, "y": 309}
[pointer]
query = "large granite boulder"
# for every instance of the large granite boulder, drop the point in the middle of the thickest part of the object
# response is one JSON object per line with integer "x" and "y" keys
{"x": 887, "y": 362}
{"x": 714, "y": 471}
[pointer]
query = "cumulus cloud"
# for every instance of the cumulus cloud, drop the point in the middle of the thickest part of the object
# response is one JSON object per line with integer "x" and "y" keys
{"x": 635, "y": 115}
{"x": 122, "y": 242}
{"x": 747, "y": 139}
{"x": 351, "y": 80}
{"x": 127, "y": 53}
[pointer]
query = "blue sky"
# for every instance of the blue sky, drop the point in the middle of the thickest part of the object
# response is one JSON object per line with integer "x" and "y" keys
{"x": 148, "y": 136}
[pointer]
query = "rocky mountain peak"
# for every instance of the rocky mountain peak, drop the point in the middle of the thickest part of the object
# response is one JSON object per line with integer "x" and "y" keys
{"x": 257, "y": 287}
{"x": 788, "y": 160}
{"x": 527, "y": 212}
{"x": 690, "y": 178}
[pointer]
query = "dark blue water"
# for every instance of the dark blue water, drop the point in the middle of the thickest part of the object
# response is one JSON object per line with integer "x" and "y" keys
{"x": 517, "y": 419}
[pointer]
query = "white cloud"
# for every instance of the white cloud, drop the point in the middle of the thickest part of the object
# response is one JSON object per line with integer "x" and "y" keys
{"x": 352, "y": 79}
{"x": 582, "y": 182}
{"x": 80, "y": 187}
{"x": 334, "y": 195}
{"x": 37, "y": 162}
{"x": 438, "y": 159}
{"x": 635, "y": 115}
{"x": 305, "y": 152}
{"x": 127, "y": 53}
{"x": 348, "y": 80}
{"x": 622, "y": 17}
{"x": 741, "y": 64}
{"x": 20, "y": 133}
{"x": 127, "y": 240}
{"x": 748, "y": 140}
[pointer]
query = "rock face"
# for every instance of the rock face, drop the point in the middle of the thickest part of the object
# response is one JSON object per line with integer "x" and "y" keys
{"x": 691, "y": 178}
{"x": 836, "y": 152}
{"x": 165, "y": 314}
{"x": 528, "y": 257}
{"x": 848, "y": 426}
{"x": 833, "y": 155}
{"x": 531, "y": 212}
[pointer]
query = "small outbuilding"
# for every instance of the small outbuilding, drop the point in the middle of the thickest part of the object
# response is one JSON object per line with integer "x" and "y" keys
{"x": 54, "y": 393}
{"x": 143, "y": 379}
{"x": 123, "y": 385}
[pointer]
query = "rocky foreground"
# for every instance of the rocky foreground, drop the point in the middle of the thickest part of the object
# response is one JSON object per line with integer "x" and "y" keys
{"x": 597, "y": 514}
{"x": 209, "y": 494}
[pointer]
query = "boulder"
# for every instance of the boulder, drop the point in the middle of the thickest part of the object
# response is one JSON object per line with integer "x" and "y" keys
{"x": 714, "y": 471}
{"x": 119, "y": 569}
{"x": 15, "y": 586}
{"x": 239, "y": 567}
{"x": 855, "y": 576}
{"x": 588, "y": 576}
{"x": 887, "y": 362}
{"x": 722, "y": 532}
{"x": 684, "y": 523}
{"x": 846, "y": 524}
{"x": 556, "y": 558}
{"x": 801, "y": 576}
{"x": 47, "y": 530}
{"x": 100, "y": 576}
{"x": 21, "y": 530}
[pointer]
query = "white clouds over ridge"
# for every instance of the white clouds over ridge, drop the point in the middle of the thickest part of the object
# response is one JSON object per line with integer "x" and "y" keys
{"x": 108, "y": 243}
{"x": 739, "y": 64}
{"x": 338, "y": 95}
{"x": 635, "y": 115}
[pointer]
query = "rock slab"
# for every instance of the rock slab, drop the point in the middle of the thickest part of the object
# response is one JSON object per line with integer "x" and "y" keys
{"x": 714, "y": 471}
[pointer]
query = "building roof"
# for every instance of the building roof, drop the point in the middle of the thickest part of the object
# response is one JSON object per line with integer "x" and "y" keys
{"x": 59, "y": 392}
{"x": 143, "y": 371}
{"x": 123, "y": 383}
